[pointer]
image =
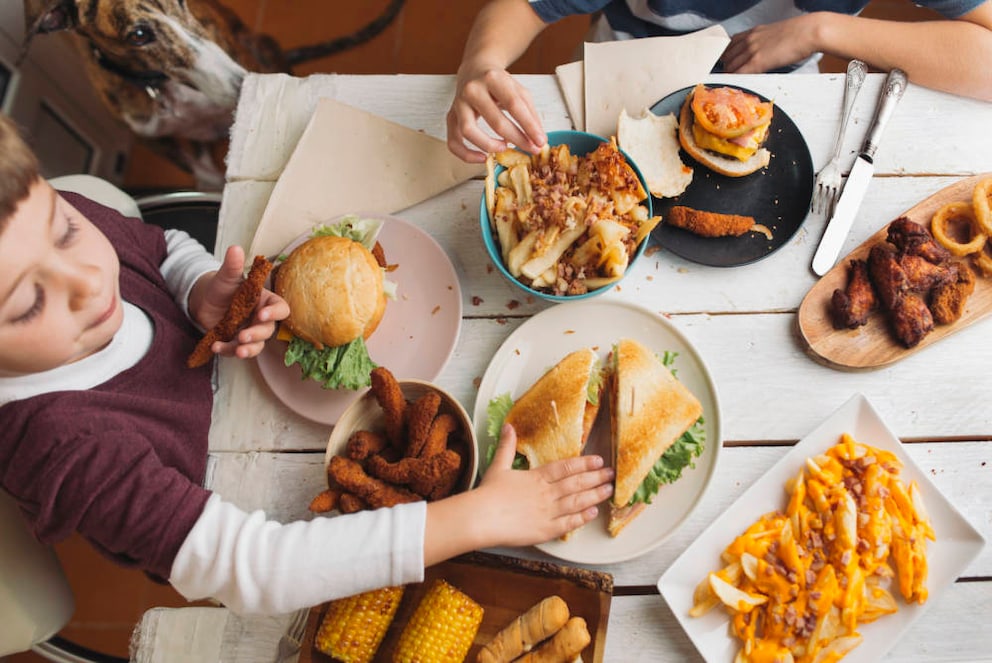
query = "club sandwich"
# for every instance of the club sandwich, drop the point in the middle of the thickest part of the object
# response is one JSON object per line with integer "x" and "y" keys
{"x": 656, "y": 429}
{"x": 553, "y": 417}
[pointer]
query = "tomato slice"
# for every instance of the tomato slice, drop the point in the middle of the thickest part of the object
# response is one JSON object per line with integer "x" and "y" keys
{"x": 728, "y": 112}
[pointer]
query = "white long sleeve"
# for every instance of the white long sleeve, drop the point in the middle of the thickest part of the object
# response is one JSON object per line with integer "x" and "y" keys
{"x": 257, "y": 566}
{"x": 187, "y": 261}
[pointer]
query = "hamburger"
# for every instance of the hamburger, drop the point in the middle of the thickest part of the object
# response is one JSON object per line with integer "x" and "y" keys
{"x": 656, "y": 429}
{"x": 724, "y": 129}
{"x": 336, "y": 291}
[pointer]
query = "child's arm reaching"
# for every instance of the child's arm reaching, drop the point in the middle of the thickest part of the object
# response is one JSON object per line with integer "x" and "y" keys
{"x": 517, "y": 508}
{"x": 254, "y": 565}
{"x": 211, "y": 296}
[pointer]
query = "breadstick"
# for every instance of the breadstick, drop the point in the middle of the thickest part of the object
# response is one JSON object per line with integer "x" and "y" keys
{"x": 563, "y": 647}
{"x": 538, "y": 623}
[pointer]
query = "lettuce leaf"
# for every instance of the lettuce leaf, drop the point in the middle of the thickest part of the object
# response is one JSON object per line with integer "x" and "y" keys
{"x": 343, "y": 367}
{"x": 496, "y": 413}
{"x": 363, "y": 231}
{"x": 668, "y": 468}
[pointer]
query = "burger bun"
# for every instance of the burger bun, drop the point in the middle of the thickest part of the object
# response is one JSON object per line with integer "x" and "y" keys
{"x": 723, "y": 165}
{"x": 334, "y": 289}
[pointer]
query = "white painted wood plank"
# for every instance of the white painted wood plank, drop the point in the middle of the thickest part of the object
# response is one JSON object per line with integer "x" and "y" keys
{"x": 643, "y": 628}
{"x": 769, "y": 390}
{"x": 283, "y": 484}
{"x": 813, "y": 102}
{"x": 660, "y": 280}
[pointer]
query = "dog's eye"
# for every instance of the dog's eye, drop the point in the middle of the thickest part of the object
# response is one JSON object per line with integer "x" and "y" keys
{"x": 140, "y": 36}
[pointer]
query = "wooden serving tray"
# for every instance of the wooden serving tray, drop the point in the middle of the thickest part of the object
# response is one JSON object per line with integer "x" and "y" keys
{"x": 504, "y": 587}
{"x": 873, "y": 345}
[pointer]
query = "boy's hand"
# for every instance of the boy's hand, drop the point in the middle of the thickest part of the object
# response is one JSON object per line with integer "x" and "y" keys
{"x": 211, "y": 296}
{"x": 537, "y": 505}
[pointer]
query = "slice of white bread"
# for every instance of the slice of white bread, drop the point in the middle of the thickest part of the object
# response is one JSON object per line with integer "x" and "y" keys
{"x": 651, "y": 141}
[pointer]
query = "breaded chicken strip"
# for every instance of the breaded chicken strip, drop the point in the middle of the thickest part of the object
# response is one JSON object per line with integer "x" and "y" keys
{"x": 709, "y": 224}
{"x": 242, "y": 305}
{"x": 350, "y": 476}
{"x": 388, "y": 394}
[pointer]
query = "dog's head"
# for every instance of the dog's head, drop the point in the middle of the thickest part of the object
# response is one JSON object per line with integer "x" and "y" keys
{"x": 148, "y": 43}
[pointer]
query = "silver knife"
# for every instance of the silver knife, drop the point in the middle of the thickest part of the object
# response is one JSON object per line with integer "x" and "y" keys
{"x": 859, "y": 179}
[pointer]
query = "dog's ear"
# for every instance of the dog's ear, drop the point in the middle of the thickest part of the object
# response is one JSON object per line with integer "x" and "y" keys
{"x": 44, "y": 16}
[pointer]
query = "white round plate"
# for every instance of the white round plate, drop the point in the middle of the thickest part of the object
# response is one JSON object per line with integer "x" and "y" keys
{"x": 538, "y": 344}
{"x": 415, "y": 338}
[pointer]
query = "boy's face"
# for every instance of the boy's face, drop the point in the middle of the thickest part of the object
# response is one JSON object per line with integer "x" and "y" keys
{"x": 59, "y": 292}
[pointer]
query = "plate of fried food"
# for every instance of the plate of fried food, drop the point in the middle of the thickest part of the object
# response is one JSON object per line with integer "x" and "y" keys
{"x": 476, "y": 607}
{"x": 920, "y": 278}
{"x": 833, "y": 553}
{"x": 401, "y": 441}
{"x": 568, "y": 222}
{"x": 395, "y": 302}
{"x": 751, "y": 181}
{"x": 570, "y": 382}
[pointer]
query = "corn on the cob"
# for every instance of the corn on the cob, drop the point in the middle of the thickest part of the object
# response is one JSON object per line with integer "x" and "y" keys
{"x": 353, "y": 627}
{"x": 441, "y": 629}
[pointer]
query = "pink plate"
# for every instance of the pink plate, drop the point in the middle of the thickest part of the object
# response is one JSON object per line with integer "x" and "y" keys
{"x": 415, "y": 338}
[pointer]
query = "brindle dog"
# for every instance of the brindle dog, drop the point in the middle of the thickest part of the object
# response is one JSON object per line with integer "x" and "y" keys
{"x": 172, "y": 69}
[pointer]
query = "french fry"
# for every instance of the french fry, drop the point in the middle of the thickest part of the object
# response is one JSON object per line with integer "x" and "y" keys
{"x": 810, "y": 575}
{"x": 545, "y": 206}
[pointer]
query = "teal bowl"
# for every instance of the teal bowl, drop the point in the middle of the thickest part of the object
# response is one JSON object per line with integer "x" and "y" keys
{"x": 580, "y": 143}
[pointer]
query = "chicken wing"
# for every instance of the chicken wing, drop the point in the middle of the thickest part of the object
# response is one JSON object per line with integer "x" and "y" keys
{"x": 888, "y": 277}
{"x": 922, "y": 275}
{"x": 912, "y": 238}
{"x": 850, "y": 307}
{"x": 911, "y": 319}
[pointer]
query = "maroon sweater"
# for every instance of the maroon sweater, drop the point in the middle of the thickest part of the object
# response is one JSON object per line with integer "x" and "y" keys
{"x": 122, "y": 463}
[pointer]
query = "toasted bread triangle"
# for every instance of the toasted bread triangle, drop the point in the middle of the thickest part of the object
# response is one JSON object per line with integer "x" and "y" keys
{"x": 650, "y": 409}
{"x": 549, "y": 418}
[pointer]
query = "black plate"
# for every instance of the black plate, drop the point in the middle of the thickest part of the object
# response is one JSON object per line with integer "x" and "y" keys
{"x": 777, "y": 196}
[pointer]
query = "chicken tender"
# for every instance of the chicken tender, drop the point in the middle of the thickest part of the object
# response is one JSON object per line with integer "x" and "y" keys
{"x": 420, "y": 418}
{"x": 709, "y": 224}
{"x": 388, "y": 394}
{"x": 948, "y": 299}
{"x": 242, "y": 305}
{"x": 365, "y": 443}
{"x": 350, "y": 476}
{"x": 850, "y": 307}
{"x": 437, "y": 439}
{"x": 349, "y": 503}
{"x": 433, "y": 477}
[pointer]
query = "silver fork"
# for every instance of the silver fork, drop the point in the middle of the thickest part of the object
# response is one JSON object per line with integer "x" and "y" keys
{"x": 291, "y": 640}
{"x": 828, "y": 179}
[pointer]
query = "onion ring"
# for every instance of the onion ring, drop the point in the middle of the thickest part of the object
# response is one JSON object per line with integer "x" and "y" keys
{"x": 982, "y": 202}
{"x": 939, "y": 226}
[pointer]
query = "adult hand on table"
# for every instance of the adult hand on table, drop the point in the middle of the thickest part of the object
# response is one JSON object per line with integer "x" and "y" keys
{"x": 517, "y": 507}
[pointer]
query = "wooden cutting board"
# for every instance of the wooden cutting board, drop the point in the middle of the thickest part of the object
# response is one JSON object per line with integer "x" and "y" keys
{"x": 873, "y": 345}
{"x": 504, "y": 587}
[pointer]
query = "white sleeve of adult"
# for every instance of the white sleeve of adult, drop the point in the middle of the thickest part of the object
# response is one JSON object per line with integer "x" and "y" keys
{"x": 258, "y": 566}
{"x": 185, "y": 262}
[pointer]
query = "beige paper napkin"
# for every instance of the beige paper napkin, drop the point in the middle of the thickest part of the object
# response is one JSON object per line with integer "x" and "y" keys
{"x": 349, "y": 160}
{"x": 635, "y": 73}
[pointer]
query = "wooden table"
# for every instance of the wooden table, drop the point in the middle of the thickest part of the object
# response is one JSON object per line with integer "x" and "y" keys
{"x": 742, "y": 321}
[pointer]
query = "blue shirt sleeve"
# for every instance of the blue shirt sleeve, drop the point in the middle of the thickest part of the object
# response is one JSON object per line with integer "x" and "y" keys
{"x": 552, "y": 10}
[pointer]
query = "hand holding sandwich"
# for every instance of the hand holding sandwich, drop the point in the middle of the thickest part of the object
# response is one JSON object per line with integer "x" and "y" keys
{"x": 517, "y": 508}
